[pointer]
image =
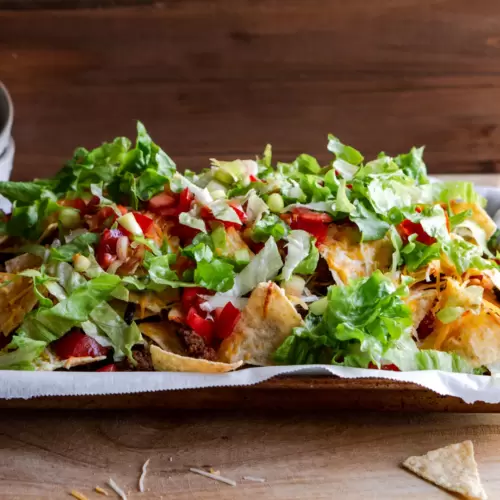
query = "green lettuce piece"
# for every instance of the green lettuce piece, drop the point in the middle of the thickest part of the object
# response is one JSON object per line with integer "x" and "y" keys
{"x": 449, "y": 191}
{"x": 371, "y": 226}
{"x": 21, "y": 353}
{"x": 201, "y": 248}
{"x": 412, "y": 164}
{"x": 308, "y": 164}
{"x": 263, "y": 267}
{"x": 79, "y": 245}
{"x": 302, "y": 254}
{"x": 430, "y": 359}
{"x": 22, "y": 192}
{"x": 159, "y": 268}
{"x": 360, "y": 323}
{"x": 122, "y": 335}
{"x": 416, "y": 255}
{"x": 342, "y": 203}
{"x": 216, "y": 275}
{"x": 269, "y": 225}
{"x": 192, "y": 221}
{"x": 457, "y": 219}
{"x": 346, "y": 153}
{"x": 464, "y": 255}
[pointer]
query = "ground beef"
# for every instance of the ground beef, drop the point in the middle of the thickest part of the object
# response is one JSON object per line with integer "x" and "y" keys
{"x": 143, "y": 358}
{"x": 195, "y": 345}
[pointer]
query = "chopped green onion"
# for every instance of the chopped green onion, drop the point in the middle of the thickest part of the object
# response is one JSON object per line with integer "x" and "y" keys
{"x": 275, "y": 203}
{"x": 69, "y": 217}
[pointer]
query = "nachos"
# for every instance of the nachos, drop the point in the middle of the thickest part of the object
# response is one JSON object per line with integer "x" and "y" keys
{"x": 121, "y": 262}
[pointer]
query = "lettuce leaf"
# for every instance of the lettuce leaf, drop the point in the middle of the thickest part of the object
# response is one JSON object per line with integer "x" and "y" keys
{"x": 346, "y": 153}
{"x": 412, "y": 164}
{"x": 20, "y": 354}
{"x": 302, "y": 254}
{"x": 371, "y": 226}
{"x": 269, "y": 225}
{"x": 216, "y": 275}
{"x": 263, "y": 267}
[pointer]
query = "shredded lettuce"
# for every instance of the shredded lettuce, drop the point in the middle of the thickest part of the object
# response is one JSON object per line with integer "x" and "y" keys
{"x": 298, "y": 249}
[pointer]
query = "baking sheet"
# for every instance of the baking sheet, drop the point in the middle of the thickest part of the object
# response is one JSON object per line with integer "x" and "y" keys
{"x": 25, "y": 385}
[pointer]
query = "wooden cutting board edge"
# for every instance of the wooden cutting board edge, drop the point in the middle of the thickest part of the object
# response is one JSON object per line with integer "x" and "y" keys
{"x": 278, "y": 394}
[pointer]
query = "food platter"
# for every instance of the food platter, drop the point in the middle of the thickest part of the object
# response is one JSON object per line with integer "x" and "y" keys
{"x": 250, "y": 280}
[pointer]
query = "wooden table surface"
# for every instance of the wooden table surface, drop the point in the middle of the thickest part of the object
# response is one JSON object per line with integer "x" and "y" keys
{"x": 301, "y": 456}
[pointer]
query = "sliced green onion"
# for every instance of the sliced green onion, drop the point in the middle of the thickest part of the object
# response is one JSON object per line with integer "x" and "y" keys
{"x": 275, "y": 203}
{"x": 242, "y": 256}
{"x": 319, "y": 307}
{"x": 70, "y": 217}
{"x": 223, "y": 176}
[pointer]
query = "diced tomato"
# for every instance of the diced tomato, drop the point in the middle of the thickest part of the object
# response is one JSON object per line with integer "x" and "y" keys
{"x": 226, "y": 320}
{"x": 203, "y": 327}
{"x": 108, "y": 368}
{"x": 122, "y": 209}
{"x": 184, "y": 233}
{"x": 162, "y": 200}
{"x": 390, "y": 367}
{"x": 239, "y": 211}
{"x": 77, "y": 203}
{"x": 407, "y": 228}
{"x": 190, "y": 297}
{"x": 426, "y": 326}
{"x": 144, "y": 221}
{"x": 253, "y": 178}
{"x": 76, "y": 344}
{"x": 206, "y": 214}
{"x": 185, "y": 200}
{"x": 106, "y": 251}
{"x": 315, "y": 223}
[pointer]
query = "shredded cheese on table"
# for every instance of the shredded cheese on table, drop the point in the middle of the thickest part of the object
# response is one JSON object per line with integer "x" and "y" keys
{"x": 78, "y": 495}
{"x": 117, "y": 489}
{"x": 143, "y": 475}
{"x": 254, "y": 479}
{"x": 102, "y": 491}
{"x": 213, "y": 476}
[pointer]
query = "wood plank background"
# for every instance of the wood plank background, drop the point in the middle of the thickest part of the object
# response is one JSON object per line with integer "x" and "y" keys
{"x": 222, "y": 78}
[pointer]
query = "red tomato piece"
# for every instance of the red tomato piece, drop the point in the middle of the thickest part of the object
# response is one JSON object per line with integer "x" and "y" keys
{"x": 190, "y": 297}
{"x": 239, "y": 211}
{"x": 203, "y": 327}
{"x": 108, "y": 368}
{"x": 253, "y": 178}
{"x": 226, "y": 320}
{"x": 426, "y": 326}
{"x": 76, "y": 344}
{"x": 162, "y": 200}
{"x": 144, "y": 221}
{"x": 407, "y": 228}
{"x": 315, "y": 223}
{"x": 390, "y": 367}
{"x": 77, "y": 203}
{"x": 106, "y": 251}
{"x": 185, "y": 200}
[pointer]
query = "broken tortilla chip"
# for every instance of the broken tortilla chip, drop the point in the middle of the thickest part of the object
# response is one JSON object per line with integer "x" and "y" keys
{"x": 17, "y": 299}
{"x": 164, "y": 334}
{"x": 164, "y": 361}
{"x": 22, "y": 262}
{"x": 453, "y": 468}
{"x": 349, "y": 258}
{"x": 267, "y": 320}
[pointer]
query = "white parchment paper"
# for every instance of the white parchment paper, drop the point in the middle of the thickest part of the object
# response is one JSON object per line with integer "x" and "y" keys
{"x": 18, "y": 384}
{"x": 25, "y": 385}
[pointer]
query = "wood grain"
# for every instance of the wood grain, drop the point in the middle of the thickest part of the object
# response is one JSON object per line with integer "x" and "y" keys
{"x": 223, "y": 78}
{"x": 314, "y": 456}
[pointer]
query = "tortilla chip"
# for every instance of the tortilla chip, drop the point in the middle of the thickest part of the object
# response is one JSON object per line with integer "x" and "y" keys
{"x": 266, "y": 321}
{"x": 80, "y": 361}
{"x": 17, "y": 299}
{"x": 22, "y": 262}
{"x": 164, "y": 361}
{"x": 48, "y": 231}
{"x": 153, "y": 303}
{"x": 164, "y": 334}
{"x": 479, "y": 216}
{"x": 349, "y": 258}
{"x": 476, "y": 338}
{"x": 452, "y": 468}
{"x": 420, "y": 302}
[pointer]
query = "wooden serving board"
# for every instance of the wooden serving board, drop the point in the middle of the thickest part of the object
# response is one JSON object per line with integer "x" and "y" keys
{"x": 282, "y": 393}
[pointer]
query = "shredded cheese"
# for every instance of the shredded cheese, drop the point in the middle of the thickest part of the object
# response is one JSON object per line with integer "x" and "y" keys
{"x": 254, "y": 479}
{"x": 213, "y": 476}
{"x": 117, "y": 489}
{"x": 78, "y": 495}
{"x": 143, "y": 475}
{"x": 102, "y": 491}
